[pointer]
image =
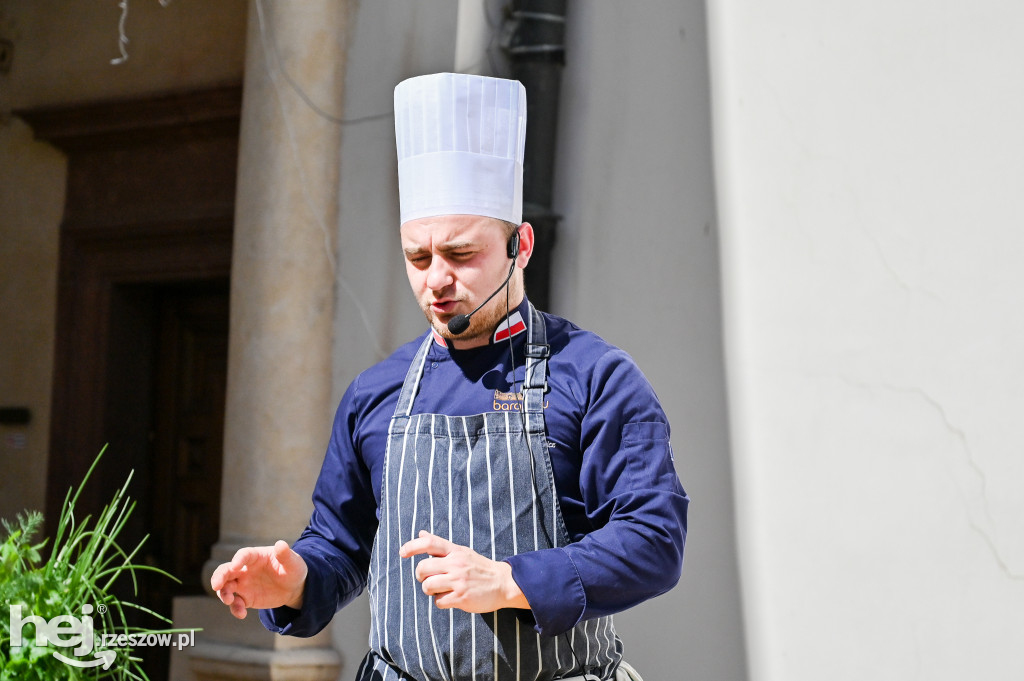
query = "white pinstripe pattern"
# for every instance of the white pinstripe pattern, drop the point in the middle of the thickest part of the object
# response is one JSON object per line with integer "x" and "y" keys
{"x": 511, "y": 485}
{"x": 430, "y": 485}
{"x": 399, "y": 533}
{"x": 414, "y": 594}
{"x": 535, "y": 497}
{"x": 515, "y": 532}
{"x": 451, "y": 530}
{"x": 494, "y": 555}
{"x": 589, "y": 630}
{"x": 469, "y": 511}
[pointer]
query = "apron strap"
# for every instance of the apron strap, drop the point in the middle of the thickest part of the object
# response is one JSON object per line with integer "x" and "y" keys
{"x": 535, "y": 381}
{"x": 412, "y": 378}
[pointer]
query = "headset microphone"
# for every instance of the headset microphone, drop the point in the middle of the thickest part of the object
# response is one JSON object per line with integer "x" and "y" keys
{"x": 460, "y": 322}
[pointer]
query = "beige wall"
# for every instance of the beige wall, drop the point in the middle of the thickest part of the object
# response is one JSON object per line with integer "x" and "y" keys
{"x": 62, "y": 52}
{"x": 63, "y": 48}
{"x": 31, "y": 197}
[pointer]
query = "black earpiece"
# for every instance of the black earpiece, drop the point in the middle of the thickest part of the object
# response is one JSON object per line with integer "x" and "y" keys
{"x": 513, "y": 245}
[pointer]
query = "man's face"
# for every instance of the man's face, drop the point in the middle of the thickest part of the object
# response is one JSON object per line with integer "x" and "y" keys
{"x": 454, "y": 262}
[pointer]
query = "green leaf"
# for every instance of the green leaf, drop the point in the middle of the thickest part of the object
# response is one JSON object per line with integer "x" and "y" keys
{"x": 85, "y": 562}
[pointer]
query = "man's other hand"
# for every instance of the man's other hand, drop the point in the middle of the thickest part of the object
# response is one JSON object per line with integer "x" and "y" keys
{"x": 261, "y": 577}
{"x": 459, "y": 577}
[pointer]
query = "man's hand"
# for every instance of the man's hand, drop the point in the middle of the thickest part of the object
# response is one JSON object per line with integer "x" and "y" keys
{"x": 261, "y": 577}
{"x": 458, "y": 577}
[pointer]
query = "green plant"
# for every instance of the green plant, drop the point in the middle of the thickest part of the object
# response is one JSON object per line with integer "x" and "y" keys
{"x": 74, "y": 586}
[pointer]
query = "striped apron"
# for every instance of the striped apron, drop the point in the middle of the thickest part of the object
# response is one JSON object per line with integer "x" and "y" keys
{"x": 476, "y": 481}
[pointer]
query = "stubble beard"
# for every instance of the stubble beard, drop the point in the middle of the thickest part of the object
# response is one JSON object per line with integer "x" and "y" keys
{"x": 481, "y": 324}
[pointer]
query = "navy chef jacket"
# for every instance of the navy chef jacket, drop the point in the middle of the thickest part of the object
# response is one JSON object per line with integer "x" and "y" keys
{"x": 608, "y": 436}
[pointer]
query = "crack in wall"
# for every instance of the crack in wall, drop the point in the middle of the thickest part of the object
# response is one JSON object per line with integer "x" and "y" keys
{"x": 937, "y": 407}
{"x": 887, "y": 266}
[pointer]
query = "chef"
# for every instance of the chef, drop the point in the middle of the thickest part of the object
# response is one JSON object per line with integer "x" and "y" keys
{"x": 501, "y": 485}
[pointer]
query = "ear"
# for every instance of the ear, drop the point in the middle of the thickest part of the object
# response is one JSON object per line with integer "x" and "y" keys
{"x": 525, "y": 246}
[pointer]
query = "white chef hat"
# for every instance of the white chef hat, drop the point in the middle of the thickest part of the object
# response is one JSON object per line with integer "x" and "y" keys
{"x": 461, "y": 140}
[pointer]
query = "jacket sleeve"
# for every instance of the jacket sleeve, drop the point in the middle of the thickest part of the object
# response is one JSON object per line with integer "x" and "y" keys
{"x": 634, "y": 502}
{"x": 337, "y": 542}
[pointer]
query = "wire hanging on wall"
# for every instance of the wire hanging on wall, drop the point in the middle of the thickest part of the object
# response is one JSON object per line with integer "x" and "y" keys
{"x": 122, "y": 34}
{"x": 122, "y": 37}
{"x": 270, "y": 47}
{"x": 271, "y": 55}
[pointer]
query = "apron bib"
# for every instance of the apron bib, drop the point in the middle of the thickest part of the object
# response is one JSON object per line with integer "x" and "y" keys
{"x": 476, "y": 481}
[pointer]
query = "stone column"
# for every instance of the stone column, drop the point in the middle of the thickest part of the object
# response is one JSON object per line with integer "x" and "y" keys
{"x": 278, "y": 412}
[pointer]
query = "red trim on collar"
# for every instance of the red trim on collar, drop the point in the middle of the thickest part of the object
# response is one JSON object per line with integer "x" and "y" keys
{"x": 438, "y": 339}
{"x": 513, "y": 326}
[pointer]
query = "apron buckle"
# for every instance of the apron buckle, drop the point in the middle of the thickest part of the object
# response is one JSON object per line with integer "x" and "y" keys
{"x": 538, "y": 350}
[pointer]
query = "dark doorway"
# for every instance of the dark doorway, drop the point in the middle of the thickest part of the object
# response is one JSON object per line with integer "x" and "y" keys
{"x": 191, "y": 372}
{"x": 142, "y": 325}
{"x": 166, "y": 382}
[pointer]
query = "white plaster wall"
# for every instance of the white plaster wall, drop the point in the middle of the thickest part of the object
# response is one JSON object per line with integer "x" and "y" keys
{"x": 637, "y": 262}
{"x": 870, "y": 159}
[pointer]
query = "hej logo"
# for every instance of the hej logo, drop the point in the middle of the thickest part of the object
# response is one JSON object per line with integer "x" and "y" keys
{"x": 68, "y": 631}
{"x": 63, "y": 631}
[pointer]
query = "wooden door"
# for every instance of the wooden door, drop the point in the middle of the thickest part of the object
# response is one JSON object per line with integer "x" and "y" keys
{"x": 191, "y": 382}
{"x": 182, "y": 504}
